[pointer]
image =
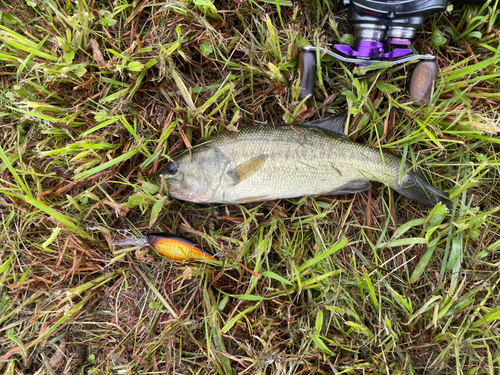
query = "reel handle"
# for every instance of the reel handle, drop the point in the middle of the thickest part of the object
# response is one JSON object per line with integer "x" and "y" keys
{"x": 422, "y": 81}
{"x": 307, "y": 69}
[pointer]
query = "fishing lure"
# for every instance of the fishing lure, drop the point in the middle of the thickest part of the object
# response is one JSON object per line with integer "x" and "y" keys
{"x": 175, "y": 248}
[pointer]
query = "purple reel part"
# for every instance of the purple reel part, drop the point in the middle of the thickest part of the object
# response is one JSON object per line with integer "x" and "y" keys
{"x": 362, "y": 48}
{"x": 400, "y": 42}
{"x": 365, "y": 49}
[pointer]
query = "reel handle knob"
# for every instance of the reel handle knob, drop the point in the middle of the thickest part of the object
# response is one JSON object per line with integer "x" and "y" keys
{"x": 422, "y": 81}
{"x": 307, "y": 69}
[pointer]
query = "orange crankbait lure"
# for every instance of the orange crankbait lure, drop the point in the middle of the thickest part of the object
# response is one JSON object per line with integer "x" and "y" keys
{"x": 176, "y": 248}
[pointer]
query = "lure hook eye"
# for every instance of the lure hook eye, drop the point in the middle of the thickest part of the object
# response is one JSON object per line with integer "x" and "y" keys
{"x": 153, "y": 238}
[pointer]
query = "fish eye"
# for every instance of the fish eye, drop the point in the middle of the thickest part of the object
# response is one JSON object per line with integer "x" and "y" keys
{"x": 171, "y": 168}
{"x": 152, "y": 240}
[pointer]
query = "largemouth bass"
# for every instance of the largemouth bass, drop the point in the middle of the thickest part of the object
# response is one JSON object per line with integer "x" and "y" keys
{"x": 267, "y": 162}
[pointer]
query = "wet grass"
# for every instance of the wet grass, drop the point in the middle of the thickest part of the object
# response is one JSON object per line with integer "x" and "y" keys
{"x": 95, "y": 98}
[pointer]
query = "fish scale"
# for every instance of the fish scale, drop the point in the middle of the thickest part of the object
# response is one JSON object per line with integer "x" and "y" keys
{"x": 267, "y": 162}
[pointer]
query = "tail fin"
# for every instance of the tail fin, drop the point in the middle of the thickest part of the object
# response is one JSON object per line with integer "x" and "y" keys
{"x": 414, "y": 186}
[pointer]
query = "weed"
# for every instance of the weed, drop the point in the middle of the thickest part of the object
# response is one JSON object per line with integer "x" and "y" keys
{"x": 97, "y": 96}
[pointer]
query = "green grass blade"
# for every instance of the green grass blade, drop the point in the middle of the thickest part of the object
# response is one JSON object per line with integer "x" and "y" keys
{"x": 108, "y": 164}
{"x": 14, "y": 173}
{"x": 58, "y": 216}
{"x": 318, "y": 258}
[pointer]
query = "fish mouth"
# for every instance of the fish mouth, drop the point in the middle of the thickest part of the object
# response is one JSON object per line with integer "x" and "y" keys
{"x": 179, "y": 190}
{"x": 174, "y": 183}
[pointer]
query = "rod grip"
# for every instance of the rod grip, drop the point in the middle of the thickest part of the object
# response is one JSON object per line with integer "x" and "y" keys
{"x": 307, "y": 69}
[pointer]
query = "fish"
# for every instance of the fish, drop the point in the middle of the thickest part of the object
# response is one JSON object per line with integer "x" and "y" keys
{"x": 268, "y": 162}
{"x": 172, "y": 247}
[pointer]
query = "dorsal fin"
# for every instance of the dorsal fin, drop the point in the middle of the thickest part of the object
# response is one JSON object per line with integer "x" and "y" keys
{"x": 334, "y": 124}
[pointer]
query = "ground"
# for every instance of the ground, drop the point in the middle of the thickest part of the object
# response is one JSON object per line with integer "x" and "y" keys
{"x": 96, "y": 96}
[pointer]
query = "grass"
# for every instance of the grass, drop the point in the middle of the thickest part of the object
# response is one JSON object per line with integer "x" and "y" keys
{"x": 97, "y": 96}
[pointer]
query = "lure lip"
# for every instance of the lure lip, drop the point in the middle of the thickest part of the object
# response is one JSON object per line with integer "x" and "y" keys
{"x": 133, "y": 241}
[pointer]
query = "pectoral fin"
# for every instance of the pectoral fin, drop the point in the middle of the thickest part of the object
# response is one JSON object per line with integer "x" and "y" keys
{"x": 352, "y": 187}
{"x": 247, "y": 169}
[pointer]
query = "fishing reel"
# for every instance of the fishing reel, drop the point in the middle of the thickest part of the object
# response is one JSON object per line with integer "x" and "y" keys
{"x": 384, "y": 30}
